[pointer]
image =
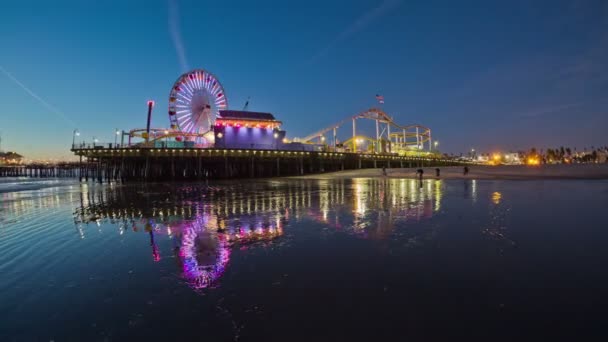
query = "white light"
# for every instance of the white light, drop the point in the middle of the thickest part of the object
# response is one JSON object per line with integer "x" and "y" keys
{"x": 77, "y": 134}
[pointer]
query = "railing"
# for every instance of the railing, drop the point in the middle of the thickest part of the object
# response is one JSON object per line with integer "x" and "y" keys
{"x": 83, "y": 146}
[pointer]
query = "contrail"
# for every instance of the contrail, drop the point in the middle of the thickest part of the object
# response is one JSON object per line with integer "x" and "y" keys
{"x": 35, "y": 96}
{"x": 176, "y": 35}
{"x": 358, "y": 25}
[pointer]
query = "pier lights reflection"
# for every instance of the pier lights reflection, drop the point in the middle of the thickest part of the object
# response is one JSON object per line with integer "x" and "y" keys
{"x": 204, "y": 224}
{"x": 378, "y": 205}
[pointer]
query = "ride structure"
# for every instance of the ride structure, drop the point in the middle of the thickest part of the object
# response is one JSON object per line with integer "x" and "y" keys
{"x": 403, "y": 140}
{"x": 195, "y": 101}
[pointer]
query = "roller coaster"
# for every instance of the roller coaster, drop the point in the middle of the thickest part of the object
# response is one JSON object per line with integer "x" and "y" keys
{"x": 390, "y": 136}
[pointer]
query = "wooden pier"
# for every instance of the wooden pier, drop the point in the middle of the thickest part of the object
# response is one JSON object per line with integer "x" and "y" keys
{"x": 104, "y": 164}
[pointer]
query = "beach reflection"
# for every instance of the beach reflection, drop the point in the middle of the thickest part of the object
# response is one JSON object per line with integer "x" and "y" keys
{"x": 206, "y": 222}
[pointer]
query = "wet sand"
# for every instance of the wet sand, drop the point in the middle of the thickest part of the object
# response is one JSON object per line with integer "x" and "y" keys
{"x": 511, "y": 172}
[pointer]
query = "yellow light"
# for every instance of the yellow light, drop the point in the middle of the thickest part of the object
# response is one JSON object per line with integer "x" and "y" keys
{"x": 533, "y": 161}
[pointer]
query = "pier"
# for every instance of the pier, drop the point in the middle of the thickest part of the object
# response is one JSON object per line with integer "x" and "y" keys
{"x": 155, "y": 164}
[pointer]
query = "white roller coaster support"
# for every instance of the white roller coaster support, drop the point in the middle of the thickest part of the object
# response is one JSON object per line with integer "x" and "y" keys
{"x": 388, "y": 127}
{"x": 335, "y": 142}
{"x": 377, "y": 136}
{"x": 354, "y": 134}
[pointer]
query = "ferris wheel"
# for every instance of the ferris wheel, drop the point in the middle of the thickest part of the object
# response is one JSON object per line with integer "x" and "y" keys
{"x": 195, "y": 101}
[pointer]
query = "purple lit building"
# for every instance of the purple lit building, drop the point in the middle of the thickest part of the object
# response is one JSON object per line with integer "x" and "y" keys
{"x": 252, "y": 130}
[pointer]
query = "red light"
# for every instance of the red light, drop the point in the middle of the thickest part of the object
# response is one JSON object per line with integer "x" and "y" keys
{"x": 150, "y": 103}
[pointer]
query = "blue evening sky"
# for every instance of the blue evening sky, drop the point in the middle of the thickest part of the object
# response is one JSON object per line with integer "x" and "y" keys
{"x": 485, "y": 74}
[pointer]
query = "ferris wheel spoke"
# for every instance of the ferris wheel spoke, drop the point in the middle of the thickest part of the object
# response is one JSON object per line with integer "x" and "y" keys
{"x": 188, "y": 127}
{"x": 185, "y": 97}
{"x": 188, "y": 87}
{"x": 188, "y": 91}
{"x": 184, "y": 116}
{"x": 194, "y": 85}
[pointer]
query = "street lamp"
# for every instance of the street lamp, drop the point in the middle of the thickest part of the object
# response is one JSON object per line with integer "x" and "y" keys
{"x": 117, "y": 132}
{"x": 74, "y": 135}
{"x": 276, "y": 142}
{"x": 95, "y": 141}
{"x": 436, "y": 144}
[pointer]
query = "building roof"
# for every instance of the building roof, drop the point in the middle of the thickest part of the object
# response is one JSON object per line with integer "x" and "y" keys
{"x": 245, "y": 115}
{"x": 11, "y": 155}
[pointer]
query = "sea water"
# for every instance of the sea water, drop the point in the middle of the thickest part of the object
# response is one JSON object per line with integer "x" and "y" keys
{"x": 361, "y": 259}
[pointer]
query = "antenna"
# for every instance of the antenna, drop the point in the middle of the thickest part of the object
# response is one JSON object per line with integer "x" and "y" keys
{"x": 246, "y": 106}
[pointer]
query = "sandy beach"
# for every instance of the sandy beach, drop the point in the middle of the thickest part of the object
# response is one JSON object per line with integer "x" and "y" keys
{"x": 511, "y": 172}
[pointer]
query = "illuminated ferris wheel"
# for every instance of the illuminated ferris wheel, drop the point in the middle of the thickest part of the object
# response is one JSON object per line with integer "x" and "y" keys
{"x": 195, "y": 101}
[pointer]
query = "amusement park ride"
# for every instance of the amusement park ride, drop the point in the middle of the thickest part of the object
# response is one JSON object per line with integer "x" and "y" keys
{"x": 199, "y": 118}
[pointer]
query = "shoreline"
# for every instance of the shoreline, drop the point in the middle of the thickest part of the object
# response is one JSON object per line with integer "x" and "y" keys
{"x": 502, "y": 172}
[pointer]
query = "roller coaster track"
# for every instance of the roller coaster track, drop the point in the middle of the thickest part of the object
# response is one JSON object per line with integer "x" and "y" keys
{"x": 379, "y": 116}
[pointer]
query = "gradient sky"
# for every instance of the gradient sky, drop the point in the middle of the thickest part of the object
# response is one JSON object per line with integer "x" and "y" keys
{"x": 485, "y": 74}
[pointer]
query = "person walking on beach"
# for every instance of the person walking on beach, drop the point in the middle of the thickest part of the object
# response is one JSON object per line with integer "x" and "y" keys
{"x": 420, "y": 172}
{"x": 384, "y": 170}
{"x": 466, "y": 170}
{"x": 437, "y": 171}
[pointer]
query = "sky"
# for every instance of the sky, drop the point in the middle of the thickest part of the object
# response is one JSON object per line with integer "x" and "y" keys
{"x": 490, "y": 75}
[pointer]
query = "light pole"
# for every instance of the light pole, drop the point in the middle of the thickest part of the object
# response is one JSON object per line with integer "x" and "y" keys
{"x": 75, "y": 133}
{"x": 116, "y": 137}
{"x": 95, "y": 141}
{"x": 276, "y": 140}
{"x": 436, "y": 143}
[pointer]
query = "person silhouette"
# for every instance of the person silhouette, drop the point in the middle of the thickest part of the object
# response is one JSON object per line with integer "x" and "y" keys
{"x": 420, "y": 172}
{"x": 437, "y": 171}
{"x": 466, "y": 170}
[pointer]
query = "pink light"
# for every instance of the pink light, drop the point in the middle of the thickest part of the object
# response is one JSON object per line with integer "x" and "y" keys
{"x": 150, "y": 103}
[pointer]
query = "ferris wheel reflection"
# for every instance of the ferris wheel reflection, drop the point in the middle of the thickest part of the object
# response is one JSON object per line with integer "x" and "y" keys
{"x": 201, "y": 227}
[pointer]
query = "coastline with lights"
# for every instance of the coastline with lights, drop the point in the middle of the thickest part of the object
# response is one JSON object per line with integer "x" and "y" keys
{"x": 480, "y": 171}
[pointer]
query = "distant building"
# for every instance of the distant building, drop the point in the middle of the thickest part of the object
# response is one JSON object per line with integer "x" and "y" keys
{"x": 10, "y": 158}
{"x": 512, "y": 158}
